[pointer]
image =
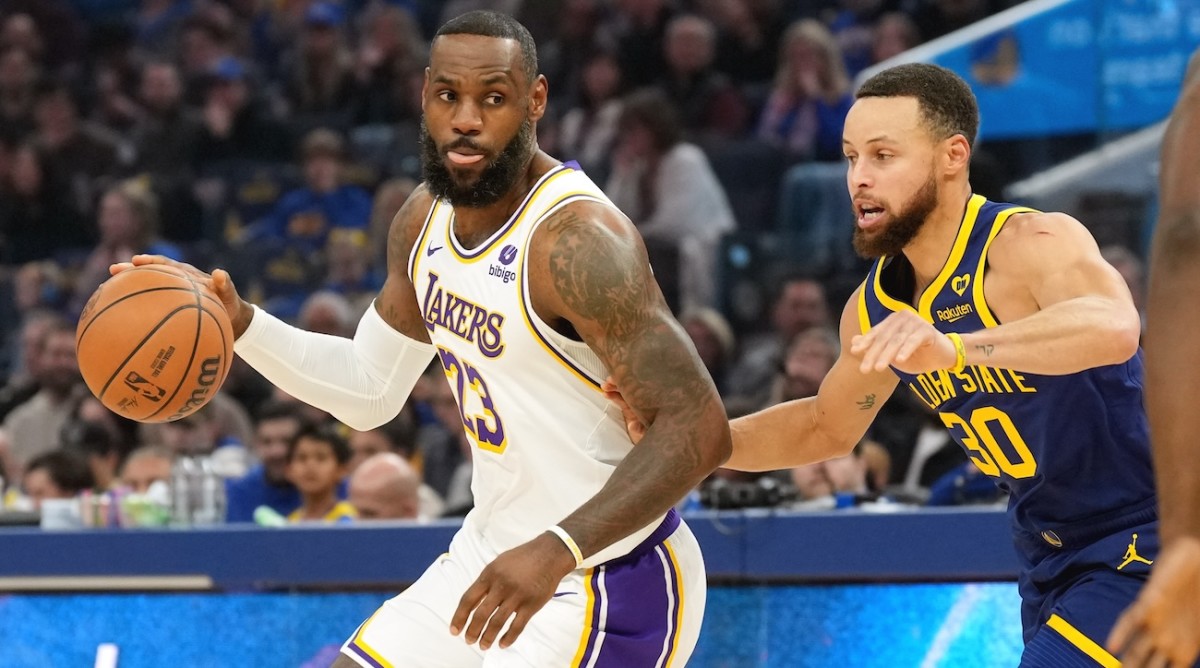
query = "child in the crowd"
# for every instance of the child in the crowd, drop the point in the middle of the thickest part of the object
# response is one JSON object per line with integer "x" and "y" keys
{"x": 316, "y": 463}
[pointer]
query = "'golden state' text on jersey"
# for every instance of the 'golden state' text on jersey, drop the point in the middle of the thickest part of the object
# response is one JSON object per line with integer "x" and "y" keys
{"x": 544, "y": 438}
{"x": 1068, "y": 449}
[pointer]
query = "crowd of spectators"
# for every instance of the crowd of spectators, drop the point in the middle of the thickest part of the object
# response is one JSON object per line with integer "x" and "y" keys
{"x": 277, "y": 138}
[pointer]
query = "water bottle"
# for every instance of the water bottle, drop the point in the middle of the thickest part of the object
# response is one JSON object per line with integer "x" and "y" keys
{"x": 211, "y": 507}
{"x": 182, "y": 473}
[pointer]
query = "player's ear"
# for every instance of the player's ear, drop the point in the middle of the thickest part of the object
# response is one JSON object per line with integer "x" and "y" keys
{"x": 538, "y": 95}
{"x": 957, "y": 154}
{"x": 424, "y": 88}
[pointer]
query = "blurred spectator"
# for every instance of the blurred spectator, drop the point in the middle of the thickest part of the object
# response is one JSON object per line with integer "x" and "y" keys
{"x": 321, "y": 86}
{"x": 636, "y": 34}
{"x": 445, "y": 448}
{"x": 588, "y": 130}
{"x": 115, "y": 73}
{"x": 24, "y": 377}
{"x": 894, "y": 33}
{"x": 128, "y": 225}
{"x": 28, "y": 21}
{"x": 667, "y": 187}
{"x": 167, "y": 134}
{"x": 146, "y": 466}
{"x": 158, "y": 22}
{"x": 56, "y": 475}
{"x": 919, "y": 447}
{"x": 389, "y": 67}
{"x": 266, "y": 484}
{"x": 99, "y": 449}
{"x": 328, "y": 313}
{"x": 37, "y": 218}
{"x": 748, "y": 37}
{"x": 84, "y": 154}
{"x": 349, "y": 270}
{"x": 713, "y": 337}
{"x": 852, "y": 26}
{"x": 708, "y": 103}
{"x": 21, "y": 31}
{"x": 316, "y": 466}
{"x": 389, "y": 197}
{"x": 34, "y": 426}
{"x": 811, "y": 96}
{"x": 563, "y": 55}
{"x": 845, "y": 474}
{"x": 193, "y": 435}
{"x": 399, "y": 437}
{"x": 18, "y": 76}
{"x": 203, "y": 45}
{"x": 121, "y": 430}
{"x": 39, "y": 285}
{"x": 799, "y": 303}
{"x": 384, "y": 487}
{"x": 225, "y": 427}
{"x": 808, "y": 358}
{"x": 235, "y": 125}
{"x": 304, "y": 217}
{"x": 965, "y": 485}
{"x": 935, "y": 18}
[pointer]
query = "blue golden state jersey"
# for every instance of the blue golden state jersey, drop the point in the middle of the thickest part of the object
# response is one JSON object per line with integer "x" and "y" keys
{"x": 1071, "y": 449}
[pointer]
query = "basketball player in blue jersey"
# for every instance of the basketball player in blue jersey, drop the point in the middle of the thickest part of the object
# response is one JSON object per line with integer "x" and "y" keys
{"x": 1010, "y": 326}
{"x": 1163, "y": 627}
{"x": 529, "y": 287}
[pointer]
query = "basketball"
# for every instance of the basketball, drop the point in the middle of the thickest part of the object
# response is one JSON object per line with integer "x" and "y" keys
{"x": 154, "y": 345}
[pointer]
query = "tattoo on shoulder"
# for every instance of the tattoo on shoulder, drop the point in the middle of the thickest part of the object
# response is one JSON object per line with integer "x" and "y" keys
{"x": 590, "y": 278}
{"x": 986, "y": 349}
{"x": 867, "y": 403}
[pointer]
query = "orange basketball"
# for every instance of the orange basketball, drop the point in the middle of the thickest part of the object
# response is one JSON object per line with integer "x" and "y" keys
{"x": 153, "y": 344}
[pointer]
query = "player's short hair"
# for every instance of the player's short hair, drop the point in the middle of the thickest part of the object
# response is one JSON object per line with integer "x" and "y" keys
{"x": 322, "y": 434}
{"x": 947, "y": 104}
{"x": 500, "y": 26}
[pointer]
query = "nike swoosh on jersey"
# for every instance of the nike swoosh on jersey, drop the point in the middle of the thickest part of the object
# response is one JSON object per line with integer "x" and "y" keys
{"x": 432, "y": 249}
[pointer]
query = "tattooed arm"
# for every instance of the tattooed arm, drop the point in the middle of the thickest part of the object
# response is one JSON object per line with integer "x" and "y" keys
{"x": 588, "y": 270}
{"x": 591, "y": 271}
{"x": 817, "y": 428}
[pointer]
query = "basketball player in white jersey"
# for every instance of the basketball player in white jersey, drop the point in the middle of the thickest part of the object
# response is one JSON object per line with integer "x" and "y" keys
{"x": 529, "y": 287}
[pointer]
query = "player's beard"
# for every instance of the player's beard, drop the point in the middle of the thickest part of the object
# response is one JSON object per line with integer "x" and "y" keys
{"x": 493, "y": 183}
{"x": 891, "y": 239}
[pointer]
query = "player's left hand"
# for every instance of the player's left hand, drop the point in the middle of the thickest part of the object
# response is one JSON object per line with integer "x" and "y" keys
{"x": 633, "y": 424}
{"x": 518, "y": 582}
{"x": 905, "y": 341}
{"x": 1162, "y": 627}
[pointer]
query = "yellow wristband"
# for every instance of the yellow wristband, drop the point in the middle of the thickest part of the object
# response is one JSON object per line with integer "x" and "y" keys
{"x": 960, "y": 352}
{"x": 569, "y": 542}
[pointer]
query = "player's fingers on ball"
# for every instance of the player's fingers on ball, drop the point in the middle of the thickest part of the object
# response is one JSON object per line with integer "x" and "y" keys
{"x": 515, "y": 629}
{"x": 119, "y": 267}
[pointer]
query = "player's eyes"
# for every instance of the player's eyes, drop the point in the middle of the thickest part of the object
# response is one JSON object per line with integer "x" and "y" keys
{"x": 446, "y": 96}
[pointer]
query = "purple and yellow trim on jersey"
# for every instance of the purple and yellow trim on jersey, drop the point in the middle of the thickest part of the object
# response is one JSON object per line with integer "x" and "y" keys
{"x": 362, "y": 650}
{"x": 514, "y": 221}
{"x": 527, "y": 310}
{"x": 634, "y": 607}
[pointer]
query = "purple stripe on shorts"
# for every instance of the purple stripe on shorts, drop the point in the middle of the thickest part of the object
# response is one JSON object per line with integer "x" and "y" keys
{"x": 362, "y": 654}
{"x": 640, "y": 615}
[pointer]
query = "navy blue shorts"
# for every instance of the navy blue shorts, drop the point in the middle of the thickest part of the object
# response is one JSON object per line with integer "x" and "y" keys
{"x": 1074, "y": 588}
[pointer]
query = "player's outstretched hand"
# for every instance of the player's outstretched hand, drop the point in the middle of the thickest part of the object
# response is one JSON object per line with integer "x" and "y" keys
{"x": 905, "y": 341}
{"x": 218, "y": 282}
{"x": 633, "y": 424}
{"x": 515, "y": 585}
{"x": 1162, "y": 627}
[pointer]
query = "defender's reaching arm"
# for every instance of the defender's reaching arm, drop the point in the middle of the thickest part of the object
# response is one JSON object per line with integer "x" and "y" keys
{"x": 1163, "y": 626}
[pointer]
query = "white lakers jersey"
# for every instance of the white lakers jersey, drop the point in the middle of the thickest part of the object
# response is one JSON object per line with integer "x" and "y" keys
{"x": 545, "y": 439}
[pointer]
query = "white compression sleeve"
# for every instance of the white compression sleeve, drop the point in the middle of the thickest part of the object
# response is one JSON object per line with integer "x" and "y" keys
{"x": 363, "y": 381}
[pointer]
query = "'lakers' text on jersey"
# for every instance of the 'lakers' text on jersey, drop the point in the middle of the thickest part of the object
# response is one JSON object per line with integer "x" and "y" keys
{"x": 1067, "y": 448}
{"x": 544, "y": 437}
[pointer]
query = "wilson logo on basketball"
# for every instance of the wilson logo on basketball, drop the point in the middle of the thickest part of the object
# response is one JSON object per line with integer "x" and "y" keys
{"x": 210, "y": 369}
